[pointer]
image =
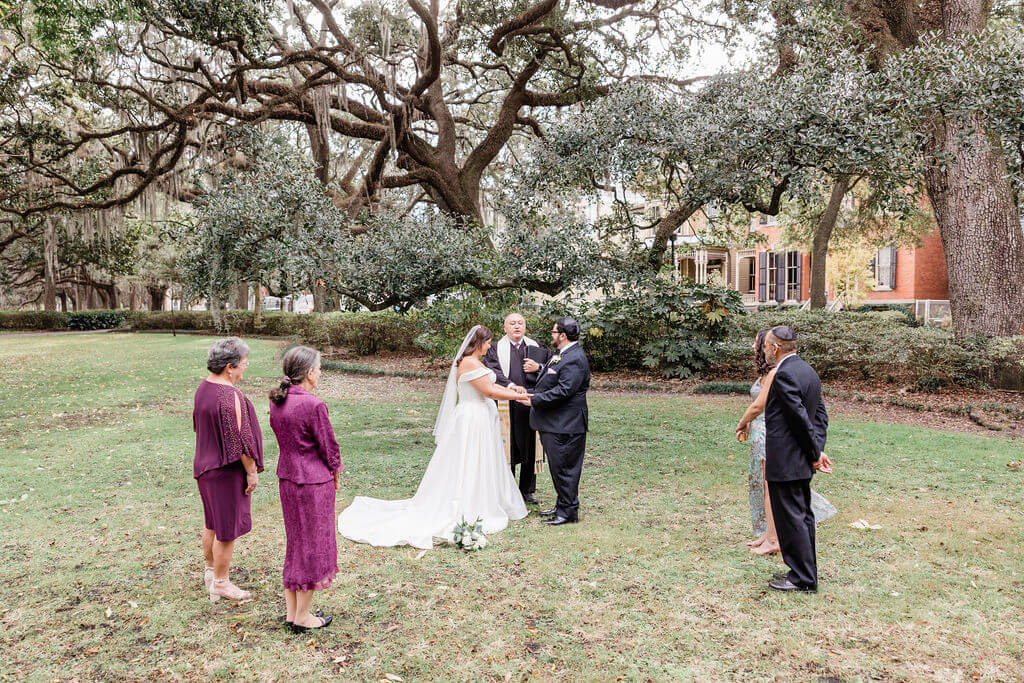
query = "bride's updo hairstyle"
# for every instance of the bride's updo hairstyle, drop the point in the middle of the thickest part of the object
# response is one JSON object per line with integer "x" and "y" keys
{"x": 297, "y": 363}
{"x": 483, "y": 335}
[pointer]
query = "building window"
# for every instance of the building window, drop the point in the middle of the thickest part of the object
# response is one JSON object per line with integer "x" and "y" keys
{"x": 883, "y": 269}
{"x": 793, "y": 275}
{"x": 779, "y": 276}
{"x": 747, "y": 275}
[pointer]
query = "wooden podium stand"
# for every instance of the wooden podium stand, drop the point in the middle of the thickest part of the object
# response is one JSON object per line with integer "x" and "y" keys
{"x": 505, "y": 418}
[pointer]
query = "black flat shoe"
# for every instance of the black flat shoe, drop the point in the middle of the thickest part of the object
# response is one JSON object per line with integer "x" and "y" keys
{"x": 788, "y": 586}
{"x": 557, "y": 521}
{"x": 530, "y": 499}
{"x": 327, "y": 619}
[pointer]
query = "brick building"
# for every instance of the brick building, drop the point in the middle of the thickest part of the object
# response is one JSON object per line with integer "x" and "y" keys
{"x": 903, "y": 275}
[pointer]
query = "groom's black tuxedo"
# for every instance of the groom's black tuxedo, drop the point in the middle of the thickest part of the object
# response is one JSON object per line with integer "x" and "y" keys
{"x": 560, "y": 415}
{"x": 795, "y": 428}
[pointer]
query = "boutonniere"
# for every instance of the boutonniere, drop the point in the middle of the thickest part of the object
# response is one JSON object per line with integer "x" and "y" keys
{"x": 554, "y": 359}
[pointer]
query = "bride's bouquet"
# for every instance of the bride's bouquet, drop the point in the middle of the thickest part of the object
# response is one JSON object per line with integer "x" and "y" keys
{"x": 469, "y": 536}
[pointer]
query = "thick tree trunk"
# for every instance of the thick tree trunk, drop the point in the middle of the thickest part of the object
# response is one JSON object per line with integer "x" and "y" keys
{"x": 981, "y": 233}
{"x": 156, "y": 297}
{"x": 822, "y": 235}
{"x": 975, "y": 210}
{"x": 257, "y": 309}
{"x": 49, "y": 266}
{"x": 132, "y": 301}
{"x": 242, "y": 296}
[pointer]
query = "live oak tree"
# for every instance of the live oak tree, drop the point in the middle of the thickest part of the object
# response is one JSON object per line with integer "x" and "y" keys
{"x": 755, "y": 139}
{"x": 273, "y": 223}
{"x": 960, "y": 83}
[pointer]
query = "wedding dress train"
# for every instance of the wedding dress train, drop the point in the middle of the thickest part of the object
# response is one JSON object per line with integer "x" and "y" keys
{"x": 468, "y": 478}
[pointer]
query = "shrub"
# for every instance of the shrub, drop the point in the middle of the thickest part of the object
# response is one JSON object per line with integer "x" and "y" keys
{"x": 1007, "y": 357}
{"x": 95, "y": 320}
{"x": 673, "y": 327}
{"x": 883, "y": 346}
{"x": 362, "y": 333}
{"x": 722, "y": 388}
{"x": 445, "y": 322}
{"x": 33, "y": 320}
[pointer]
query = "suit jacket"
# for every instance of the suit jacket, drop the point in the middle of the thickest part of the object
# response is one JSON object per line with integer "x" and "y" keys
{"x": 795, "y": 422}
{"x": 560, "y": 397}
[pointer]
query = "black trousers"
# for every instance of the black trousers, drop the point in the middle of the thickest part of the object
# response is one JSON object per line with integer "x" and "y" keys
{"x": 794, "y": 523}
{"x": 523, "y": 447}
{"x": 565, "y": 460}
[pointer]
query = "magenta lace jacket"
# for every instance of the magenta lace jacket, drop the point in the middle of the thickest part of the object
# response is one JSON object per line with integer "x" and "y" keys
{"x": 309, "y": 451}
{"x": 219, "y": 442}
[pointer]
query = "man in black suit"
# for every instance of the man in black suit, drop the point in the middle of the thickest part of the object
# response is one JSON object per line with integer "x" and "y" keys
{"x": 515, "y": 359}
{"x": 560, "y": 415}
{"x": 795, "y": 426}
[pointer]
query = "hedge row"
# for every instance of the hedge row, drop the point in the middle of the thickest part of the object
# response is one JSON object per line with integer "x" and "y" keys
{"x": 58, "y": 320}
{"x": 881, "y": 346}
{"x": 361, "y": 333}
{"x": 878, "y": 346}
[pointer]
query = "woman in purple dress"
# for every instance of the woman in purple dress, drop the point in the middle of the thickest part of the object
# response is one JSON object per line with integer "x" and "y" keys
{"x": 229, "y": 454}
{"x": 308, "y": 470}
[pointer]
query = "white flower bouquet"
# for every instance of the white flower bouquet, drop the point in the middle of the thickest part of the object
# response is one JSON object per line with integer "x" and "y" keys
{"x": 469, "y": 535}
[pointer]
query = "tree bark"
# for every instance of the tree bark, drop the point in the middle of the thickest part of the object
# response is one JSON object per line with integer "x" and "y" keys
{"x": 257, "y": 315}
{"x": 49, "y": 266}
{"x": 242, "y": 296}
{"x": 822, "y": 235}
{"x": 156, "y": 297}
{"x": 970, "y": 193}
{"x": 981, "y": 233}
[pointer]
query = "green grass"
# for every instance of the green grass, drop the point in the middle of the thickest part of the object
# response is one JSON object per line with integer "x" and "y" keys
{"x": 100, "y": 563}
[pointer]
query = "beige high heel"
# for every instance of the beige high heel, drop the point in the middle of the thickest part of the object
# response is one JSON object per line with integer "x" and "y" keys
{"x": 223, "y": 588}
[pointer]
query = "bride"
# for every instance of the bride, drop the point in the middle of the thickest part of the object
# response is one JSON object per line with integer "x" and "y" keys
{"x": 468, "y": 477}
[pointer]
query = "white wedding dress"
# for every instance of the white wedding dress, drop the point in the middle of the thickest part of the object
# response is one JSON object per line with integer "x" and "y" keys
{"x": 468, "y": 478}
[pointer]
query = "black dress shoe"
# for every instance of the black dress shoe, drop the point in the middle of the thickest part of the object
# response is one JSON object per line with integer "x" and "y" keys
{"x": 529, "y": 499}
{"x": 555, "y": 521}
{"x": 782, "y": 576}
{"x": 327, "y": 619}
{"x": 548, "y": 513}
{"x": 788, "y": 586}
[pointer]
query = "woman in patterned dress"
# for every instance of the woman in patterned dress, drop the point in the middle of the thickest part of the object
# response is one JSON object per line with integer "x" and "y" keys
{"x": 767, "y": 541}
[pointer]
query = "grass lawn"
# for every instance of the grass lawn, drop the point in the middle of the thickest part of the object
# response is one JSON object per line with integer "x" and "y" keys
{"x": 100, "y": 562}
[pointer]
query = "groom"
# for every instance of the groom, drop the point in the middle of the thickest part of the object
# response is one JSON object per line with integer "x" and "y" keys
{"x": 560, "y": 415}
{"x": 515, "y": 360}
{"x": 795, "y": 424}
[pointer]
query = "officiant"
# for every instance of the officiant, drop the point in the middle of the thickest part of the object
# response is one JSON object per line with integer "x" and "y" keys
{"x": 516, "y": 360}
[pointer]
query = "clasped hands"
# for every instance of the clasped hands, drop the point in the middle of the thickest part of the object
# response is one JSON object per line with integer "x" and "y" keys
{"x": 823, "y": 463}
{"x": 525, "y": 400}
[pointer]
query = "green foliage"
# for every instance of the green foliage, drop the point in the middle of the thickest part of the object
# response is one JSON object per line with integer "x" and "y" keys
{"x": 269, "y": 223}
{"x": 360, "y": 333}
{"x": 96, "y": 320}
{"x": 658, "y": 323}
{"x": 445, "y": 322}
{"x": 880, "y": 346}
{"x": 722, "y": 388}
{"x": 33, "y": 320}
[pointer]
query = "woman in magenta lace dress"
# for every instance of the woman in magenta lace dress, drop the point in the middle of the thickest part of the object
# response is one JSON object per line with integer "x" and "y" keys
{"x": 308, "y": 471}
{"x": 229, "y": 454}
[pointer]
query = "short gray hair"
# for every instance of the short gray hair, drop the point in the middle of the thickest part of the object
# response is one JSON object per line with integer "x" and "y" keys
{"x": 225, "y": 352}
